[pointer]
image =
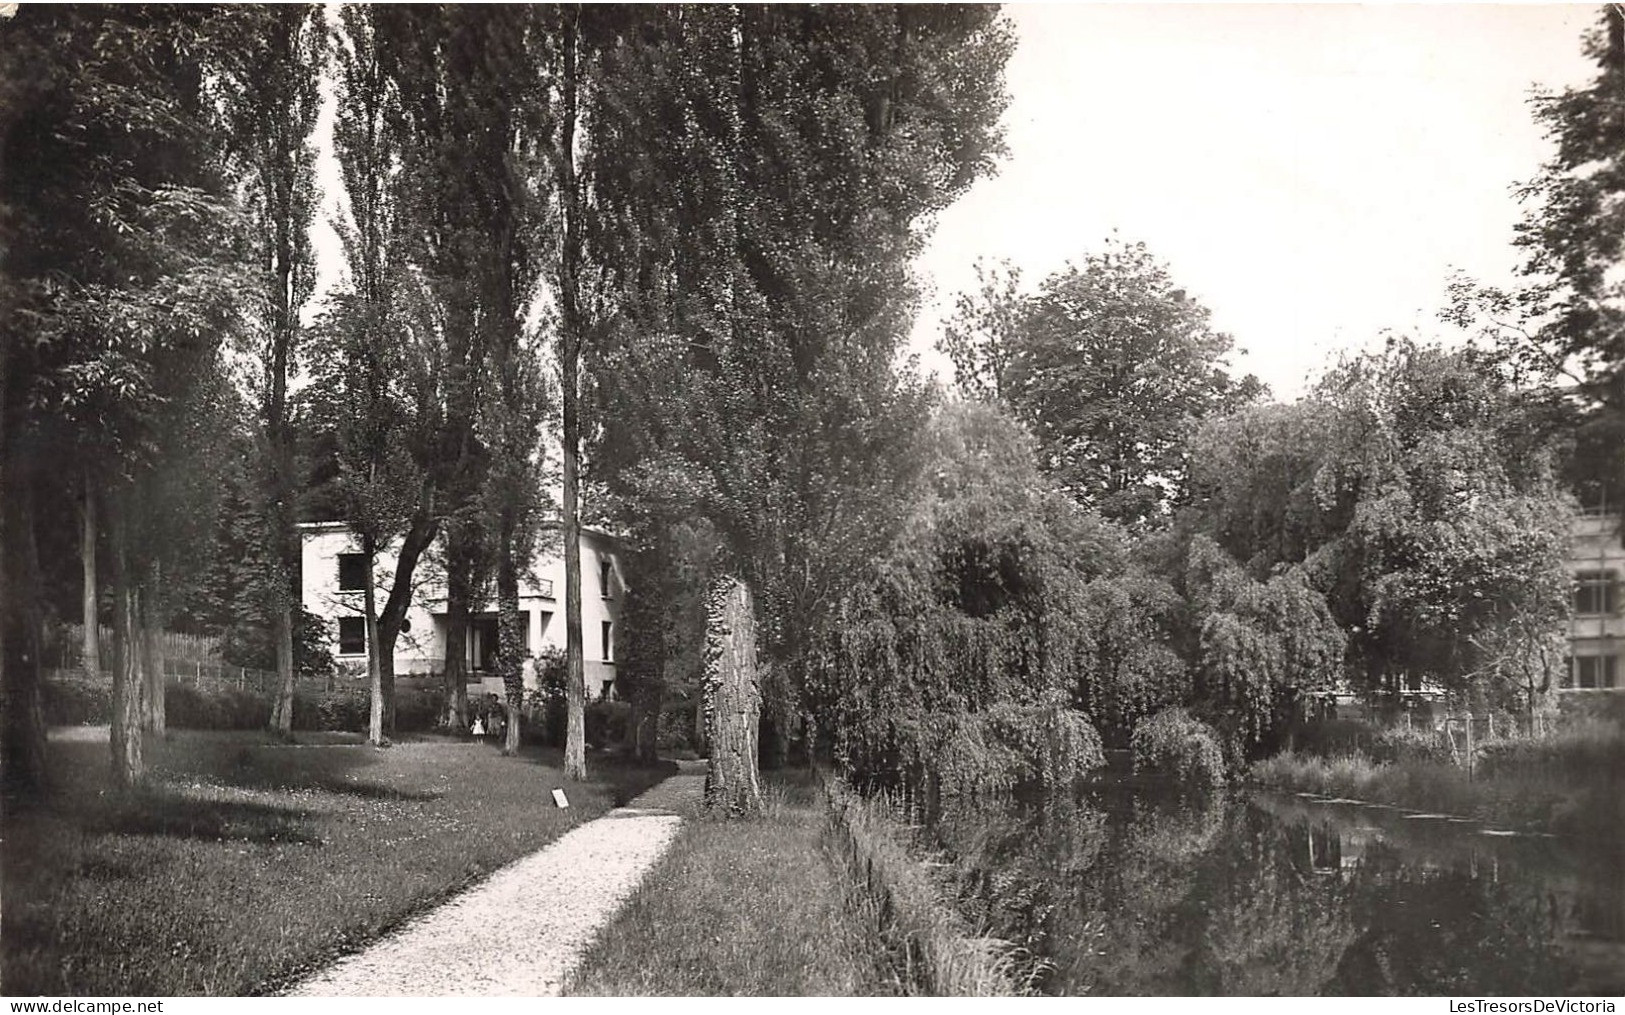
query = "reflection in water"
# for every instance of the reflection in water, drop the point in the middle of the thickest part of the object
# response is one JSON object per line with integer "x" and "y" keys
{"x": 1126, "y": 891}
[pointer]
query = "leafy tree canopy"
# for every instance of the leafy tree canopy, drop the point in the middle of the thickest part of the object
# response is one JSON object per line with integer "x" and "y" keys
{"x": 1111, "y": 366}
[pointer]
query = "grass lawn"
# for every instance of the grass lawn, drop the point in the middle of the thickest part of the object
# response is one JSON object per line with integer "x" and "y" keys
{"x": 756, "y": 907}
{"x": 247, "y": 862}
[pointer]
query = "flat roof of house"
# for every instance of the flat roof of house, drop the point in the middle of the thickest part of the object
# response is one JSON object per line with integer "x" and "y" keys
{"x": 342, "y": 526}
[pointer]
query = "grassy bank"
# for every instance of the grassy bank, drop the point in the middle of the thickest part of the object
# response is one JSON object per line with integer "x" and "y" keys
{"x": 929, "y": 945}
{"x": 1570, "y": 782}
{"x": 247, "y": 862}
{"x": 757, "y": 907}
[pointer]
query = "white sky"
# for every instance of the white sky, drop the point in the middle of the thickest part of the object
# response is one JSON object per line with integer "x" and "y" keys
{"x": 1310, "y": 173}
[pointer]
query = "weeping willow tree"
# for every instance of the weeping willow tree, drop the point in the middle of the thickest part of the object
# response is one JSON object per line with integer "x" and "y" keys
{"x": 1258, "y": 641}
{"x": 963, "y": 661}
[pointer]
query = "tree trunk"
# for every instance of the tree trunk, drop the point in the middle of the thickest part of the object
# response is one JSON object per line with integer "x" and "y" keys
{"x": 386, "y": 681}
{"x": 91, "y": 658}
{"x": 575, "y": 753}
{"x": 510, "y": 633}
{"x": 389, "y": 621}
{"x": 284, "y": 544}
{"x": 375, "y": 676}
{"x": 128, "y": 762}
{"x": 733, "y": 700}
{"x": 154, "y": 719}
{"x": 21, "y": 677}
{"x": 282, "y": 711}
{"x": 454, "y": 678}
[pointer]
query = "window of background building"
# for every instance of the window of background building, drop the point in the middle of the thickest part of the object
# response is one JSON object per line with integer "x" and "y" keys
{"x": 606, "y": 632}
{"x": 352, "y": 572}
{"x": 352, "y": 636}
{"x": 1594, "y": 593}
{"x": 1595, "y": 672}
{"x": 604, "y": 567}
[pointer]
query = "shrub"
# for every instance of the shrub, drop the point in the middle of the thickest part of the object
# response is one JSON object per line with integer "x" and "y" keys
{"x": 74, "y": 700}
{"x": 344, "y": 709}
{"x": 418, "y": 710}
{"x": 1172, "y": 743}
{"x": 676, "y": 729}
{"x": 194, "y": 707}
{"x": 1577, "y": 752}
{"x": 1409, "y": 743}
{"x": 1329, "y": 738}
{"x": 606, "y": 722}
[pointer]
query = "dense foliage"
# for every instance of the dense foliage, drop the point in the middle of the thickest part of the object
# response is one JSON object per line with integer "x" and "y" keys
{"x": 1110, "y": 365}
{"x": 1411, "y": 491}
{"x": 1172, "y": 743}
{"x": 706, "y": 220}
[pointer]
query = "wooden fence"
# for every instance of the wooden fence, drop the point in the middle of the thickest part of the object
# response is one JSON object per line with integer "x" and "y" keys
{"x": 188, "y": 659}
{"x": 65, "y": 646}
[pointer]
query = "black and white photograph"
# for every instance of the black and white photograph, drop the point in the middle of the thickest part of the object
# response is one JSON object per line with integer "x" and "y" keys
{"x": 879, "y": 500}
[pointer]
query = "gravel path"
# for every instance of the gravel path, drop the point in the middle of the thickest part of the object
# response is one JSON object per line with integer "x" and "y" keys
{"x": 522, "y": 931}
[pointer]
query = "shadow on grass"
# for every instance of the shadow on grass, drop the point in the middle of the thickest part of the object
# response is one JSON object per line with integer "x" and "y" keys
{"x": 159, "y": 812}
{"x": 625, "y": 777}
{"x": 371, "y": 790}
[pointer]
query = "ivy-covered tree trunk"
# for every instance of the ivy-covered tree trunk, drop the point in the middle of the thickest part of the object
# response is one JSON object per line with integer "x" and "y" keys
{"x": 510, "y": 637}
{"x": 90, "y": 658}
{"x": 129, "y": 765}
{"x": 733, "y": 699}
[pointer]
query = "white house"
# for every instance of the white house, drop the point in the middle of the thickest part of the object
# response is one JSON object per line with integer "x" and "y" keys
{"x": 333, "y": 571}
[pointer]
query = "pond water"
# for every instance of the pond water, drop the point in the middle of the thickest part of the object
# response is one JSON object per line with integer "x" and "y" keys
{"x": 1126, "y": 890}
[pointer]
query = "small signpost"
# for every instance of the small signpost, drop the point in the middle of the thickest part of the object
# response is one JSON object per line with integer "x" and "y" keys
{"x": 559, "y": 800}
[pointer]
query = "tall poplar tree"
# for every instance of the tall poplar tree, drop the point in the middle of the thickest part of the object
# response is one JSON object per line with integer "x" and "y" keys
{"x": 813, "y": 144}
{"x": 270, "y": 100}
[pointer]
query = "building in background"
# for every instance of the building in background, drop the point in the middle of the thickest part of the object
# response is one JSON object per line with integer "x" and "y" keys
{"x": 1596, "y": 627}
{"x": 333, "y": 573}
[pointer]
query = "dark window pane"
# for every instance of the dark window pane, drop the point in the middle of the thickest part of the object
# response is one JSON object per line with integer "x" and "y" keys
{"x": 352, "y": 636}
{"x": 352, "y": 572}
{"x": 1594, "y": 593}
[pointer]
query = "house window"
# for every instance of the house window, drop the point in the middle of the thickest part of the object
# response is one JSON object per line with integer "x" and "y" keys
{"x": 352, "y": 572}
{"x": 605, "y": 627}
{"x": 1595, "y": 593}
{"x": 607, "y": 692}
{"x": 604, "y": 566}
{"x": 1596, "y": 672}
{"x": 352, "y": 636}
